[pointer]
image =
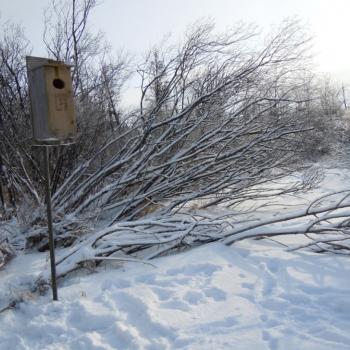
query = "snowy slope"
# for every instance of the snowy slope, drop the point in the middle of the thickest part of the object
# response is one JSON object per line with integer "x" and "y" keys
{"x": 251, "y": 296}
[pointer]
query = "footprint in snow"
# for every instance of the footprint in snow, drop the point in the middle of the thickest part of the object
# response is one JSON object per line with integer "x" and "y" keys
{"x": 272, "y": 342}
{"x": 275, "y": 304}
{"x": 162, "y": 294}
{"x": 264, "y": 318}
{"x": 296, "y": 299}
{"x": 176, "y": 304}
{"x": 273, "y": 265}
{"x": 137, "y": 315}
{"x": 182, "y": 280}
{"x": 117, "y": 284}
{"x": 218, "y": 327}
{"x": 215, "y": 293}
{"x": 269, "y": 322}
{"x": 268, "y": 279}
{"x": 247, "y": 285}
{"x": 85, "y": 321}
{"x": 194, "y": 297}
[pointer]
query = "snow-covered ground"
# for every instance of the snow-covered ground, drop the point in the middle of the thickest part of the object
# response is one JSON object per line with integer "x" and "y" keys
{"x": 252, "y": 295}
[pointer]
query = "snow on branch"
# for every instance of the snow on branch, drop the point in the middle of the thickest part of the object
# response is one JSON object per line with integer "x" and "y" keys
{"x": 215, "y": 119}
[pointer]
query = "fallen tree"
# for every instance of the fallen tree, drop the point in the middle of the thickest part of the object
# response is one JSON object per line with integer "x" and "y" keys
{"x": 216, "y": 119}
{"x": 325, "y": 224}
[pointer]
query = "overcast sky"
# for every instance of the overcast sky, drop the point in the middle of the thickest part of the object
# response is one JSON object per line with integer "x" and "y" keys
{"x": 137, "y": 24}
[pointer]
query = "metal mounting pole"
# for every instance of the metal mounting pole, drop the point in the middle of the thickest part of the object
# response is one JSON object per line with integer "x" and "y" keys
{"x": 49, "y": 224}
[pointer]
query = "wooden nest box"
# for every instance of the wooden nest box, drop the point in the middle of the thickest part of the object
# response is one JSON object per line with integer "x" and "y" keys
{"x": 51, "y": 97}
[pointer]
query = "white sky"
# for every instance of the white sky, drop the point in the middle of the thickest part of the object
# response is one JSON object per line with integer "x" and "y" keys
{"x": 137, "y": 24}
